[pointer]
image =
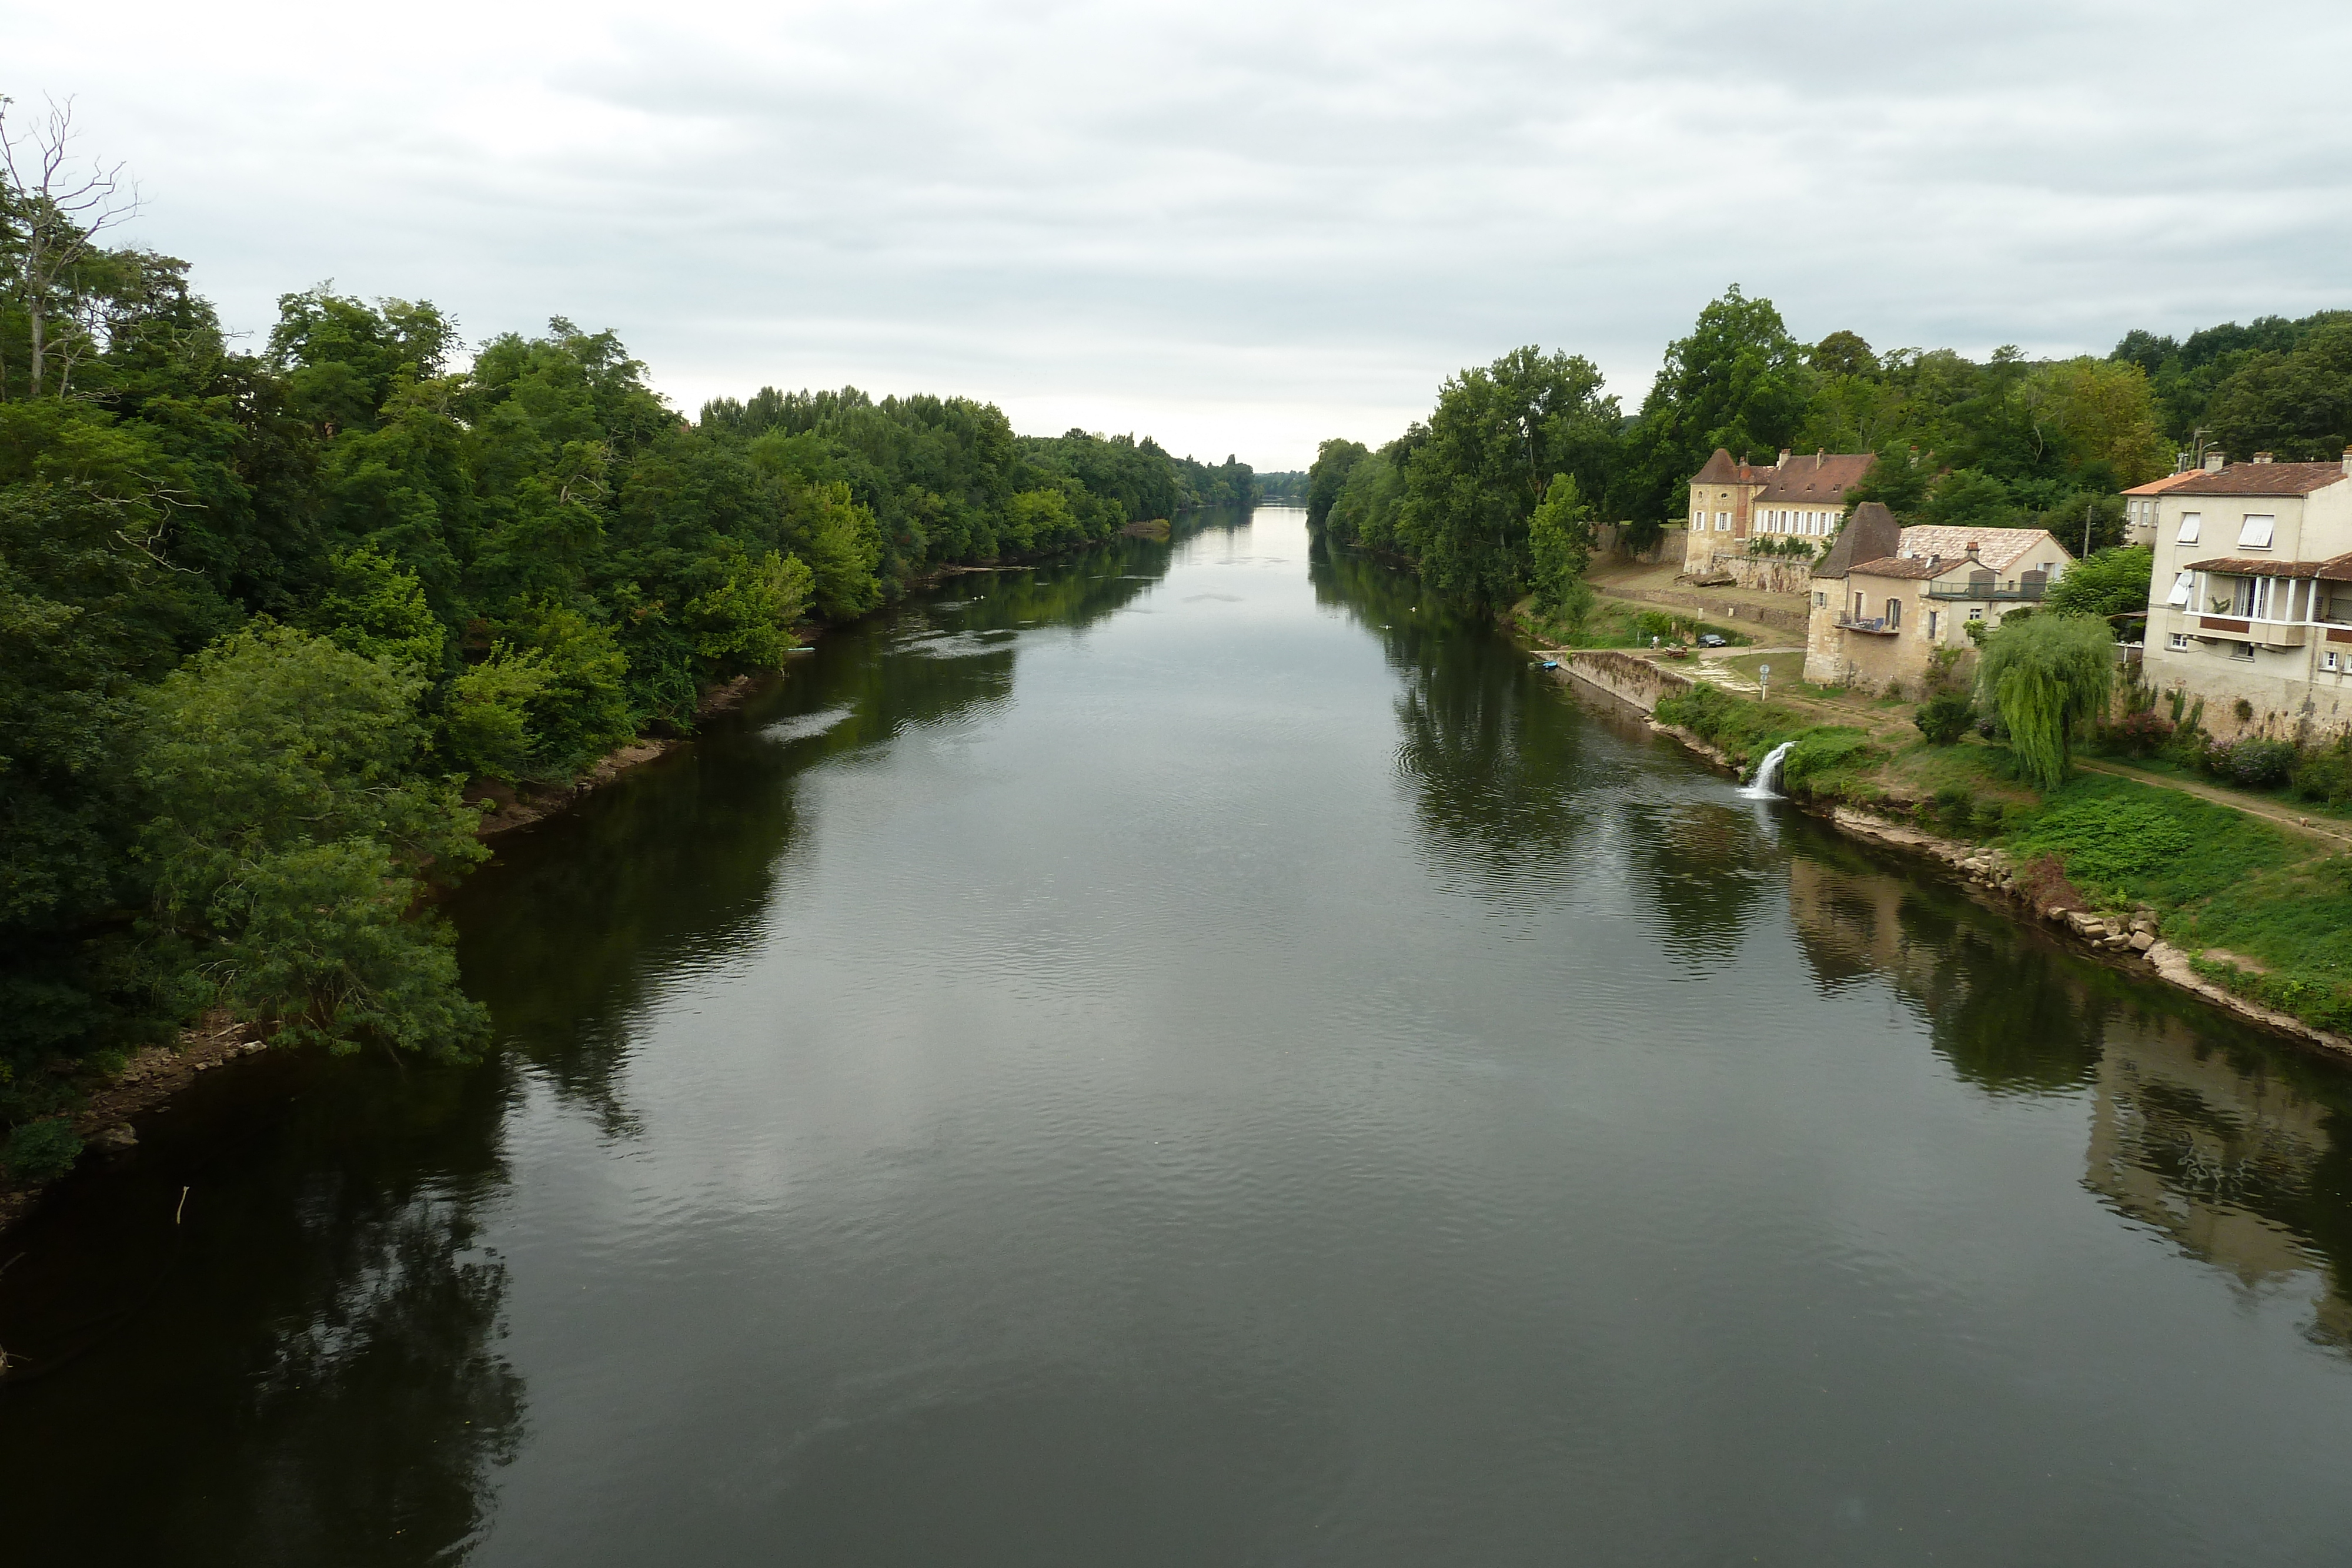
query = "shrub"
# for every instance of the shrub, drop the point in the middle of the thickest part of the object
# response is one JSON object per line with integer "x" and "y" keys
{"x": 1820, "y": 755}
{"x": 2142, "y": 733}
{"x": 38, "y": 1150}
{"x": 2326, "y": 776}
{"x": 1655, "y": 623}
{"x": 2107, "y": 840}
{"x": 2258, "y": 764}
{"x": 2243, "y": 709}
{"x": 1954, "y": 809}
{"x": 1944, "y": 718}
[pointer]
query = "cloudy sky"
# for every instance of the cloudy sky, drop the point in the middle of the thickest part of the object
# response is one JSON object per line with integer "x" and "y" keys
{"x": 1242, "y": 227}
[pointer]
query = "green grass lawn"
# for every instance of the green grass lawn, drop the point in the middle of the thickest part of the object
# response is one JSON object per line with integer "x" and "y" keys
{"x": 1618, "y": 623}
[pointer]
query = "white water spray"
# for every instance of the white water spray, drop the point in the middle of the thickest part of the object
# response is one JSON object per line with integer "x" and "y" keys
{"x": 1768, "y": 773}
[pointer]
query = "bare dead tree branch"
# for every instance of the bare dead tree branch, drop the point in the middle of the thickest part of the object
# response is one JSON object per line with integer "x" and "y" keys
{"x": 53, "y": 212}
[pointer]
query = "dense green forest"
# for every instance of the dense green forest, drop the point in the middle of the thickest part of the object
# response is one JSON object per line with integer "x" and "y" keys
{"x": 264, "y": 616}
{"x": 2004, "y": 440}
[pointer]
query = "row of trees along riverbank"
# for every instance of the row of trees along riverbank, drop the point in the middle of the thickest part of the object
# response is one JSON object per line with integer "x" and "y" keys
{"x": 2003, "y": 442}
{"x": 262, "y": 615}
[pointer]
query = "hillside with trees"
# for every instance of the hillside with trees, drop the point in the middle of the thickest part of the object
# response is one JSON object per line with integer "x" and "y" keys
{"x": 2002, "y": 441}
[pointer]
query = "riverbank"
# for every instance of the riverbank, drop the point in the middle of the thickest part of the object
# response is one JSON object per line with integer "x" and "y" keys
{"x": 2243, "y": 913}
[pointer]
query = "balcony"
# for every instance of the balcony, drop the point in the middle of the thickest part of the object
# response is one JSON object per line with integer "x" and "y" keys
{"x": 2026, "y": 591}
{"x": 2245, "y": 629}
{"x": 1849, "y": 622}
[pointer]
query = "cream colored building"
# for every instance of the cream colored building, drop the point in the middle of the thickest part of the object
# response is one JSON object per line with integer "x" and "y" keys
{"x": 2251, "y": 604}
{"x": 2139, "y": 506}
{"x": 1887, "y": 597}
{"x": 1733, "y": 503}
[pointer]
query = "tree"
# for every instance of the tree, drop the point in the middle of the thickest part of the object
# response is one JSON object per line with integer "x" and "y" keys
{"x": 290, "y": 832}
{"x": 1498, "y": 436}
{"x": 2050, "y": 676}
{"x": 2105, "y": 413}
{"x": 1333, "y": 461}
{"x": 2111, "y": 583}
{"x": 1560, "y": 536}
{"x": 51, "y": 216}
{"x": 1843, "y": 354}
{"x": 1739, "y": 381}
{"x": 2297, "y": 404}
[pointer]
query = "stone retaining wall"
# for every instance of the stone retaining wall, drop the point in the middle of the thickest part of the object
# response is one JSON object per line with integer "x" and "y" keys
{"x": 1627, "y": 677}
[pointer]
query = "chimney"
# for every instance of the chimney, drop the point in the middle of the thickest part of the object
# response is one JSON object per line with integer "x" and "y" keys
{"x": 2215, "y": 461}
{"x": 1973, "y": 554}
{"x": 2347, "y": 460}
{"x": 2262, "y": 457}
{"x": 1784, "y": 457}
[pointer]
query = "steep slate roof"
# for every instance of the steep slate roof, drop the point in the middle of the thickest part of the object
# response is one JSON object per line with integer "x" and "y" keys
{"x": 2170, "y": 482}
{"x": 2262, "y": 479}
{"x": 1721, "y": 470}
{"x": 1822, "y": 478}
{"x": 2338, "y": 570}
{"x": 1998, "y": 549}
{"x": 1871, "y": 534}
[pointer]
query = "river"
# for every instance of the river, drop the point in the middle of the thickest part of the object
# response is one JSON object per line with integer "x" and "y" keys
{"x": 1196, "y": 1055}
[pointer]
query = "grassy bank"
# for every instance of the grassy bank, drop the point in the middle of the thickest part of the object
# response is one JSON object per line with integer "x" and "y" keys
{"x": 2268, "y": 911}
{"x": 1620, "y": 624}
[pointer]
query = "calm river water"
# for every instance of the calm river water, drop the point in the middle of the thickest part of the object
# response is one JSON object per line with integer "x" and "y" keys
{"x": 1192, "y": 1056}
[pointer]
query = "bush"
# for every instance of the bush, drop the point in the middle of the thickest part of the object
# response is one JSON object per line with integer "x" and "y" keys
{"x": 2140, "y": 733}
{"x": 1654, "y": 624}
{"x": 2258, "y": 764}
{"x": 2108, "y": 841}
{"x": 1812, "y": 764}
{"x": 1954, "y": 809}
{"x": 38, "y": 1150}
{"x": 1944, "y": 718}
{"x": 2326, "y": 776}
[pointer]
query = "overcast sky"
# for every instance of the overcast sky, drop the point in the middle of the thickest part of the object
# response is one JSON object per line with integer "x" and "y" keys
{"x": 1241, "y": 227}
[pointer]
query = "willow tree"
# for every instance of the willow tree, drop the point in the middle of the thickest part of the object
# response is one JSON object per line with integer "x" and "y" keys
{"x": 2049, "y": 675}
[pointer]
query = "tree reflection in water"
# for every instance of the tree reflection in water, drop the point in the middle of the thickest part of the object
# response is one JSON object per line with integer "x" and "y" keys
{"x": 295, "y": 1385}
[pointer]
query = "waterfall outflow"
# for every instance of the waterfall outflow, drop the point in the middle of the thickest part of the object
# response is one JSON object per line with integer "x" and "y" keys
{"x": 1768, "y": 773}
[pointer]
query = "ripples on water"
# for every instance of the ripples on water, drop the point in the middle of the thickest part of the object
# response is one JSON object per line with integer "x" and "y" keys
{"x": 1198, "y": 1056}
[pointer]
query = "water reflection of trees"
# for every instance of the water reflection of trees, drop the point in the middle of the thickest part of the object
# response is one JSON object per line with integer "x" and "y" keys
{"x": 329, "y": 1388}
{"x": 563, "y": 940}
{"x": 1702, "y": 867}
{"x": 2229, "y": 1144}
{"x": 1495, "y": 761}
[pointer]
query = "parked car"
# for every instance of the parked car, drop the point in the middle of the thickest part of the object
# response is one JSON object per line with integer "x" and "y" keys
{"x": 1712, "y": 639}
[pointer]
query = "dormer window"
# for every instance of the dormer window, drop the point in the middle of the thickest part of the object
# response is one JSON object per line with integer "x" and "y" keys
{"x": 2256, "y": 533}
{"x": 2191, "y": 525}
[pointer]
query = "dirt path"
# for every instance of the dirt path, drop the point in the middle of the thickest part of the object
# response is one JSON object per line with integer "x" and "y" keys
{"x": 2335, "y": 835}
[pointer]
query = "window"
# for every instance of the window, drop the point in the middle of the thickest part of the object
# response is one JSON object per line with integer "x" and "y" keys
{"x": 2259, "y": 597}
{"x": 2180, "y": 639}
{"x": 2182, "y": 586}
{"x": 1723, "y": 522}
{"x": 1931, "y": 626}
{"x": 2243, "y": 651}
{"x": 1976, "y": 612}
{"x": 2191, "y": 524}
{"x": 2328, "y": 661}
{"x": 2256, "y": 533}
{"x": 1894, "y": 614}
{"x": 1821, "y": 601}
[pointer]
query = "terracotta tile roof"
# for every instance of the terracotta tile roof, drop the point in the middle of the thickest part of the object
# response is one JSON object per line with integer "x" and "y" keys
{"x": 1822, "y": 478}
{"x": 2338, "y": 570}
{"x": 1998, "y": 549}
{"x": 2159, "y": 486}
{"x": 1896, "y": 566}
{"x": 2262, "y": 479}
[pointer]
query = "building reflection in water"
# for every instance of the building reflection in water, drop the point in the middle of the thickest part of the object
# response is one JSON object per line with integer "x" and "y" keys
{"x": 2221, "y": 1140}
